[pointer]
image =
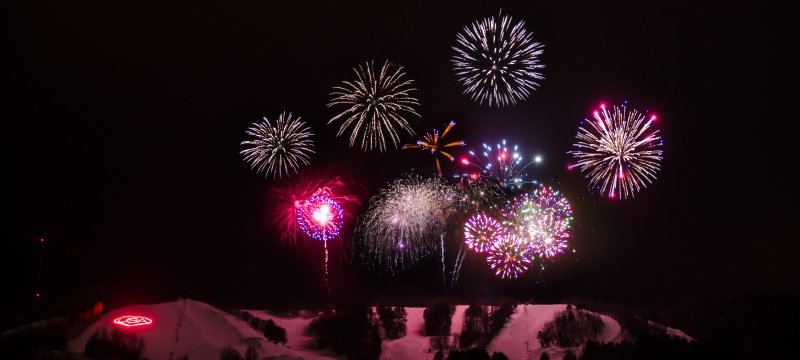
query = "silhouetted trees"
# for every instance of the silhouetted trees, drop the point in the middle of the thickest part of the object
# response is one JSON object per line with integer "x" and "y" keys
{"x": 229, "y": 353}
{"x": 438, "y": 319}
{"x": 571, "y": 327}
{"x": 483, "y": 323}
{"x": 656, "y": 347}
{"x": 393, "y": 320}
{"x": 274, "y": 333}
{"x": 476, "y": 325}
{"x": 348, "y": 331}
{"x": 570, "y": 355}
{"x": 251, "y": 353}
{"x": 475, "y": 354}
{"x": 114, "y": 345}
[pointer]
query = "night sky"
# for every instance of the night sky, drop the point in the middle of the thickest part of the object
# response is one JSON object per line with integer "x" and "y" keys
{"x": 125, "y": 121}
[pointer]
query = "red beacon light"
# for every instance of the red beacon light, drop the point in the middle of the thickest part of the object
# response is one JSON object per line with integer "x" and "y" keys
{"x": 133, "y": 321}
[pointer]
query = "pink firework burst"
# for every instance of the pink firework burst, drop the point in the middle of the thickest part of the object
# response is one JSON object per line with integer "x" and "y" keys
{"x": 481, "y": 231}
{"x": 320, "y": 216}
{"x": 509, "y": 257}
{"x": 293, "y": 206}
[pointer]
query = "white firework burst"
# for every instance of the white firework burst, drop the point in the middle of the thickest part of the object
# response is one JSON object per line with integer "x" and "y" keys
{"x": 376, "y": 104}
{"x": 618, "y": 151}
{"x": 403, "y": 222}
{"x": 497, "y": 61}
{"x": 276, "y": 147}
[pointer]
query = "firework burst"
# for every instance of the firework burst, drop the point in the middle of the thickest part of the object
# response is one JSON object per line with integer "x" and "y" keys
{"x": 481, "y": 231}
{"x": 618, "y": 151}
{"x": 430, "y": 142}
{"x": 499, "y": 164}
{"x": 403, "y": 221}
{"x": 293, "y": 206}
{"x": 278, "y": 147}
{"x": 509, "y": 257}
{"x": 542, "y": 220}
{"x": 375, "y": 104}
{"x": 497, "y": 61}
{"x": 320, "y": 216}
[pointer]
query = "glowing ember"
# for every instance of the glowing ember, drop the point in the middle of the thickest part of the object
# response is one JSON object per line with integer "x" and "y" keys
{"x": 132, "y": 321}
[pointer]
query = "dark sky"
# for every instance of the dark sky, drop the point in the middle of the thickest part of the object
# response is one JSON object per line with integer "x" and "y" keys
{"x": 125, "y": 121}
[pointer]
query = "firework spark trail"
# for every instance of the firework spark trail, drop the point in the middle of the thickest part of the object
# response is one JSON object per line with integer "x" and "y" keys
{"x": 430, "y": 142}
{"x": 509, "y": 257}
{"x": 618, "y": 152}
{"x": 374, "y": 104}
{"x": 503, "y": 166}
{"x": 402, "y": 222}
{"x": 497, "y": 61}
{"x": 277, "y": 147}
{"x": 457, "y": 266}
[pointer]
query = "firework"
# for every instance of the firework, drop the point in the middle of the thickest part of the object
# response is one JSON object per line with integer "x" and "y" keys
{"x": 402, "y": 222}
{"x": 478, "y": 194}
{"x": 277, "y": 147}
{"x": 481, "y": 231}
{"x": 375, "y": 104}
{"x": 288, "y": 200}
{"x": 499, "y": 164}
{"x": 618, "y": 151}
{"x": 497, "y": 61}
{"x": 320, "y": 216}
{"x": 542, "y": 220}
{"x": 430, "y": 142}
{"x": 509, "y": 257}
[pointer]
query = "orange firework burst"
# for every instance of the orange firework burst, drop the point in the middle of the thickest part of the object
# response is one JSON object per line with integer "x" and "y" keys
{"x": 431, "y": 143}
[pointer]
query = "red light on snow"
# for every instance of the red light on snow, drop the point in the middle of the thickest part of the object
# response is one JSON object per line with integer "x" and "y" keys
{"x": 132, "y": 321}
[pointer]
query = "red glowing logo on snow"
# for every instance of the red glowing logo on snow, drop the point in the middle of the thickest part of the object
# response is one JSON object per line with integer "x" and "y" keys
{"x": 133, "y": 321}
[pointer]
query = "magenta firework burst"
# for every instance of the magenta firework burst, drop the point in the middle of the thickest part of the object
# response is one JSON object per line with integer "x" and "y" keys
{"x": 509, "y": 257}
{"x": 320, "y": 216}
{"x": 618, "y": 151}
{"x": 481, "y": 231}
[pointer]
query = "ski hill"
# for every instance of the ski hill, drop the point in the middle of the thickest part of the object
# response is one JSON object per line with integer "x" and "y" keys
{"x": 200, "y": 331}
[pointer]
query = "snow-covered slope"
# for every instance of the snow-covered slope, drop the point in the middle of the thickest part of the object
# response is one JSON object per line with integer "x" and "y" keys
{"x": 204, "y": 330}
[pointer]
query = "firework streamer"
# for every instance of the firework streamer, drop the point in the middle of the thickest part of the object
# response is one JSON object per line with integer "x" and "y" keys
{"x": 278, "y": 147}
{"x": 618, "y": 151}
{"x": 457, "y": 266}
{"x": 497, "y": 61}
{"x": 375, "y": 105}
{"x": 431, "y": 142}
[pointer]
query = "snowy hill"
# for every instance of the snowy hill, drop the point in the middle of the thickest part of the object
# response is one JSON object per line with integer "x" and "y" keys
{"x": 200, "y": 330}
{"x": 187, "y": 327}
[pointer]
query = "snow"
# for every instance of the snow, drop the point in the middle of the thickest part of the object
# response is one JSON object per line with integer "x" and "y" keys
{"x": 204, "y": 330}
{"x": 301, "y": 343}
